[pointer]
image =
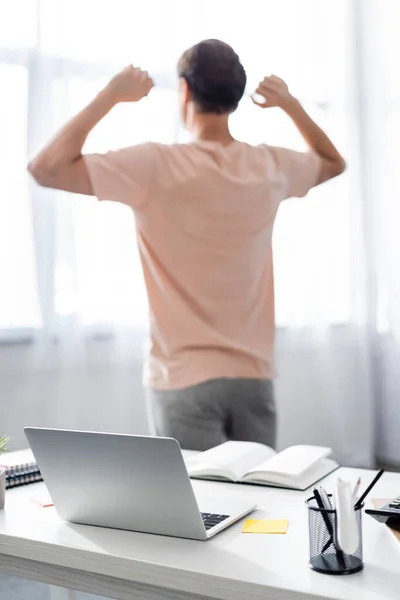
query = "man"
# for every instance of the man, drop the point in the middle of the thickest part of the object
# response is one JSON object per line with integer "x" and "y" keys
{"x": 205, "y": 213}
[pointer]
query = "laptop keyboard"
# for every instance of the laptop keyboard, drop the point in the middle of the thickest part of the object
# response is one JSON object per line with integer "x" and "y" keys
{"x": 210, "y": 520}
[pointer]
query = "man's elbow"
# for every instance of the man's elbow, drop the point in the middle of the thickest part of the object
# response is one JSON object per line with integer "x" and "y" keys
{"x": 341, "y": 166}
{"x": 334, "y": 168}
{"x": 41, "y": 171}
{"x": 38, "y": 171}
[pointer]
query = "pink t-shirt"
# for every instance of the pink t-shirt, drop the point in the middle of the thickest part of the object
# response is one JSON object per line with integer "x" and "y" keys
{"x": 204, "y": 215}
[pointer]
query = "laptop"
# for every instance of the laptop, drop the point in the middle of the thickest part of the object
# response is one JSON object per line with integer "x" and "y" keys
{"x": 127, "y": 482}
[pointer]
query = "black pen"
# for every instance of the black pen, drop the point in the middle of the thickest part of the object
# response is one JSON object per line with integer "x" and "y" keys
{"x": 369, "y": 488}
{"x": 322, "y": 506}
{"x": 327, "y": 504}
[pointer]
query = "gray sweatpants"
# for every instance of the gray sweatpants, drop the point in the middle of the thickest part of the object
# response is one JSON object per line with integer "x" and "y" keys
{"x": 206, "y": 415}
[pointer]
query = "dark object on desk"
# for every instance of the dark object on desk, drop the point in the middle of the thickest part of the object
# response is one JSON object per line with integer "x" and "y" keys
{"x": 389, "y": 514}
{"x": 22, "y": 476}
{"x": 210, "y": 520}
{"x": 20, "y": 468}
{"x": 393, "y": 529}
{"x": 325, "y": 556}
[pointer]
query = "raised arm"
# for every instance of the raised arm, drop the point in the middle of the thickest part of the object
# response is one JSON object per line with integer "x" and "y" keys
{"x": 275, "y": 93}
{"x": 60, "y": 163}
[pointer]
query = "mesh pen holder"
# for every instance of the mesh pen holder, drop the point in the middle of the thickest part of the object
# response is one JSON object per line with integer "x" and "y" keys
{"x": 325, "y": 554}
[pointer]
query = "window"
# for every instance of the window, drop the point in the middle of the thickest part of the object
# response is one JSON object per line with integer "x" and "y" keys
{"x": 18, "y": 300}
{"x": 72, "y": 261}
{"x": 385, "y": 154}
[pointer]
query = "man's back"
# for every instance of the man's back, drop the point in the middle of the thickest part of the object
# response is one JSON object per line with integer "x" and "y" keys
{"x": 205, "y": 214}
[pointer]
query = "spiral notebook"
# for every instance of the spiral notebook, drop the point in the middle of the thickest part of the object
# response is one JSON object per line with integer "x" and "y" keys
{"x": 21, "y": 468}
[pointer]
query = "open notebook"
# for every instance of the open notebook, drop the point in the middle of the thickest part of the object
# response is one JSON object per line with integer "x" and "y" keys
{"x": 297, "y": 467}
{"x": 21, "y": 468}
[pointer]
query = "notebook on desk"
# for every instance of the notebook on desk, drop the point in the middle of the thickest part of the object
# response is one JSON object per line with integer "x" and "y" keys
{"x": 297, "y": 467}
{"x": 21, "y": 468}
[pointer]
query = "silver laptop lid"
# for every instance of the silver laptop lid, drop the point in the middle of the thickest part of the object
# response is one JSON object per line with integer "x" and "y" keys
{"x": 120, "y": 481}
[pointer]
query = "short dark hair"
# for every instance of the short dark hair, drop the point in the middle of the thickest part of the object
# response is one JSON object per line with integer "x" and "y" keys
{"x": 215, "y": 76}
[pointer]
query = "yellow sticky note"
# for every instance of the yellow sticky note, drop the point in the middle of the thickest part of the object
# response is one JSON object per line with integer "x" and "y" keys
{"x": 265, "y": 526}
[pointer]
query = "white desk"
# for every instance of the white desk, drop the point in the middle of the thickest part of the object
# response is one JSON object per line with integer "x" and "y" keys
{"x": 35, "y": 544}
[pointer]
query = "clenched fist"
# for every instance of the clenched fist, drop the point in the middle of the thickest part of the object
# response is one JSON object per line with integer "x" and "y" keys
{"x": 130, "y": 85}
{"x": 274, "y": 92}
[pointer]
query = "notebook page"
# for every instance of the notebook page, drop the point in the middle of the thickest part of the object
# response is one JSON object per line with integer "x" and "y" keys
{"x": 236, "y": 458}
{"x": 294, "y": 460}
{"x": 311, "y": 476}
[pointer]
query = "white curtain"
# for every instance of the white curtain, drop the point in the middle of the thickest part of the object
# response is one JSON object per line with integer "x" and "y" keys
{"x": 69, "y": 268}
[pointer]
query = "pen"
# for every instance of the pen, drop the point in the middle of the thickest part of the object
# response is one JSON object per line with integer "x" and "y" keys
{"x": 321, "y": 505}
{"x": 369, "y": 488}
{"x": 328, "y": 505}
